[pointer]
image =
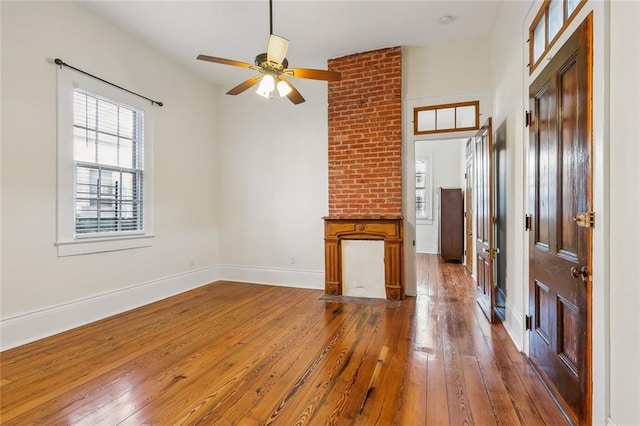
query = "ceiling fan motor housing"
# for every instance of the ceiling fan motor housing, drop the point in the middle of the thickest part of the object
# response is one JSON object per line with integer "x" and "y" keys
{"x": 262, "y": 59}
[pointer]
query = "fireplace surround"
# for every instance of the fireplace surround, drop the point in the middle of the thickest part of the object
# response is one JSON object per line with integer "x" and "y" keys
{"x": 386, "y": 228}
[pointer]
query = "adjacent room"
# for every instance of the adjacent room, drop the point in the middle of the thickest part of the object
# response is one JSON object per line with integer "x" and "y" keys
{"x": 319, "y": 212}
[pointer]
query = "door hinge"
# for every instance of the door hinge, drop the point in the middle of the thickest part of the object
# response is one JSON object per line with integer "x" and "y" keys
{"x": 527, "y": 222}
{"x": 585, "y": 220}
{"x": 528, "y": 322}
{"x": 527, "y": 118}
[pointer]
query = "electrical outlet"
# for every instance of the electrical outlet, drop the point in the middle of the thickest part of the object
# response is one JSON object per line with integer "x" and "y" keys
{"x": 292, "y": 260}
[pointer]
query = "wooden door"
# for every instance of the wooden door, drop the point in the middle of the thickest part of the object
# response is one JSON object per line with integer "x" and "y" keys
{"x": 468, "y": 208}
{"x": 485, "y": 251}
{"x": 560, "y": 237}
{"x": 500, "y": 222}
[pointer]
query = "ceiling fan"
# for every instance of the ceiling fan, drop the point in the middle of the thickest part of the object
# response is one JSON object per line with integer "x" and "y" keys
{"x": 274, "y": 69}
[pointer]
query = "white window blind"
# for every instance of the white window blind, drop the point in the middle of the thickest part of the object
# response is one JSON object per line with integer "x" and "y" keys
{"x": 108, "y": 153}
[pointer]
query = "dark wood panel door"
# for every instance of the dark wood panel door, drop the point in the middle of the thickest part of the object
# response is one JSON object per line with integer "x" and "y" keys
{"x": 560, "y": 241}
{"x": 485, "y": 251}
{"x": 500, "y": 223}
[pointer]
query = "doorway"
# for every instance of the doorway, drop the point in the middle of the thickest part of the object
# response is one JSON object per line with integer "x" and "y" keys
{"x": 439, "y": 164}
{"x": 560, "y": 236}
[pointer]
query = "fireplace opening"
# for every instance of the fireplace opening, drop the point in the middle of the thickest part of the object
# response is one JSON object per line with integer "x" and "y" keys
{"x": 341, "y": 231}
{"x": 363, "y": 268}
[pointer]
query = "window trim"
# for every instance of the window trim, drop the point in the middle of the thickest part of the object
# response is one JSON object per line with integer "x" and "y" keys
{"x": 67, "y": 242}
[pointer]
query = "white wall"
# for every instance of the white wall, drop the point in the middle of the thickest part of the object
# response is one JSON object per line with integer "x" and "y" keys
{"x": 447, "y": 159}
{"x": 507, "y": 81}
{"x": 448, "y": 68}
{"x": 624, "y": 149}
{"x": 273, "y": 187}
{"x": 37, "y": 283}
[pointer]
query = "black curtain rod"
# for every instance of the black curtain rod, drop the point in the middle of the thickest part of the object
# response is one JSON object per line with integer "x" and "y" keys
{"x": 61, "y": 63}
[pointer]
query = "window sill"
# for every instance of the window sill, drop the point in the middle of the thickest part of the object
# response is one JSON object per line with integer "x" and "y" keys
{"x": 100, "y": 245}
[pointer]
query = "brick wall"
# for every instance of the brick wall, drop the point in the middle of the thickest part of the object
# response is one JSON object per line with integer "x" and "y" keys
{"x": 365, "y": 134}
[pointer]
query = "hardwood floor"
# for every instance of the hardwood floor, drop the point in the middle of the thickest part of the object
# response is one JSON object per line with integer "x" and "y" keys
{"x": 231, "y": 353}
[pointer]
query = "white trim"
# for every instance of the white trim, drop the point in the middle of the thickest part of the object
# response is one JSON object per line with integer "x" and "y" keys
{"x": 515, "y": 326}
{"x": 99, "y": 245}
{"x": 36, "y": 325}
{"x": 273, "y": 276}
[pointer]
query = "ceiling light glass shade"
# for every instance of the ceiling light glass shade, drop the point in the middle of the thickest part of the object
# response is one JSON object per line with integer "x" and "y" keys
{"x": 284, "y": 88}
{"x": 267, "y": 84}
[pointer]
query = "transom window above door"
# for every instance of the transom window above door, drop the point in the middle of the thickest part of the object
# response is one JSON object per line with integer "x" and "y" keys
{"x": 446, "y": 118}
{"x": 552, "y": 19}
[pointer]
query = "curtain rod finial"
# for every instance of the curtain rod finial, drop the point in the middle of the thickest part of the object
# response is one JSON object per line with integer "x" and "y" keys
{"x": 58, "y": 61}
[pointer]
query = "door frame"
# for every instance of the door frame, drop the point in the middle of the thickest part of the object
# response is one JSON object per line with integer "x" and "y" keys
{"x": 600, "y": 376}
{"x": 469, "y": 203}
{"x": 408, "y": 165}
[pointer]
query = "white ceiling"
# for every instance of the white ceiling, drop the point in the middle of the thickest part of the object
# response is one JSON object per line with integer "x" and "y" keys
{"x": 317, "y": 29}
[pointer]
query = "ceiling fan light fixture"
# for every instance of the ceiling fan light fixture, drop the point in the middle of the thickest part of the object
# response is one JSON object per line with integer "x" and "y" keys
{"x": 273, "y": 67}
{"x": 267, "y": 84}
{"x": 284, "y": 88}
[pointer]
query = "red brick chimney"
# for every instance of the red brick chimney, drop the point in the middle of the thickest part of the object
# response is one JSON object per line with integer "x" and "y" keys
{"x": 365, "y": 134}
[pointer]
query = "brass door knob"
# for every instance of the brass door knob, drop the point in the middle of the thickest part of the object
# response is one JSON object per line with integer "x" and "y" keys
{"x": 582, "y": 273}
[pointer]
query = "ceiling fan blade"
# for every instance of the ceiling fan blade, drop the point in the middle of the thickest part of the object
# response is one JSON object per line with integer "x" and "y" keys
{"x": 313, "y": 74}
{"x": 245, "y": 85}
{"x": 295, "y": 96}
{"x": 277, "y": 49}
{"x": 223, "y": 61}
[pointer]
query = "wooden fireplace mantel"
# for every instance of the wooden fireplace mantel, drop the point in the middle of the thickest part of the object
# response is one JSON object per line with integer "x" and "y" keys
{"x": 365, "y": 227}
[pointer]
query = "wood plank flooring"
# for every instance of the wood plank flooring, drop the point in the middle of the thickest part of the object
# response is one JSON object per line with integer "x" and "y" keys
{"x": 242, "y": 354}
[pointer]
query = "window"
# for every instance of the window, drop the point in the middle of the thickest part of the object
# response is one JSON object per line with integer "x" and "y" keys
{"x": 424, "y": 190}
{"x": 554, "y": 16}
{"x": 446, "y": 118}
{"x": 104, "y": 173}
{"x": 109, "y": 168}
